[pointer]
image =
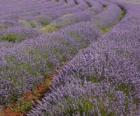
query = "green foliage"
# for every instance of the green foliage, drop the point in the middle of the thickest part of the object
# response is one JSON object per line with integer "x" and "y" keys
{"x": 14, "y": 97}
{"x": 75, "y": 35}
{"x": 38, "y": 56}
{"x": 105, "y": 30}
{"x": 23, "y": 106}
{"x": 33, "y": 24}
{"x": 49, "y": 28}
{"x": 17, "y": 69}
{"x": 44, "y": 22}
{"x": 86, "y": 106}
{"x": 11, "y": 38}
{"x": 126, "y": 104}
{"x": 78, "y": 38}
{"x": 123, "y": 13}
{"x": 83, "y": 106}
{"x": 94, "y": 79}
{"x": 29, "y": 24}
{"x": 19, "y": 66}
{"x": 126, "y": 88}
{"x": 104, "y": 111}
{"x": 58, "y": 53}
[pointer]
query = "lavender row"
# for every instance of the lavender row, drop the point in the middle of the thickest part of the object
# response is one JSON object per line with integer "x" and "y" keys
{"x": 38, "y": 23}
{"x": 72, "y": 18}
{"x": 47, "y": 13}
{"x": 26, "y": 64}
{"x": 103, "y": 79}
{"x": 110, "y": 16}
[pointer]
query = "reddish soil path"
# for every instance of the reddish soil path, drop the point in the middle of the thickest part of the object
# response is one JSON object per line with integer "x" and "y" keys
{"x": 32, "y": 97}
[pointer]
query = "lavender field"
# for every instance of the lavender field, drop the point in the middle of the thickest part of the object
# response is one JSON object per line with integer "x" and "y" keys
{"x": 69, "y": 58}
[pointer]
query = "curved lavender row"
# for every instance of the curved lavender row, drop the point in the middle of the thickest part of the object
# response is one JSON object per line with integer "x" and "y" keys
{"x": 54, "y": 14}
{"x": 73, "y": 18}
{"x": 24, "y": 65}
{"x": 20, "y": 9}
{"x": 48, "y": 13}
{"x": 28, "y": 6}
{"x": 35, "y": 10}
{"x": 48, "y": 8}
{"x": 28, "y": 19}
{"x": 109, "y": 17}
{"x": 89, "y": 14}
{"x": 78, "y": 8}
{"x": 29, "y": 24}
{"x": 113, "y": 62}
{"x": 22, "y": 6}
